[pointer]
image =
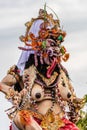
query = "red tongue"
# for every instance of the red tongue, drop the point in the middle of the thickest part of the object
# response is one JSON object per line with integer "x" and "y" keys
{"x": 51, "y": 68}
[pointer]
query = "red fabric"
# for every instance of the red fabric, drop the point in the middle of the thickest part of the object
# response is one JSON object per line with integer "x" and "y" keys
{"x": 68, "y": 125}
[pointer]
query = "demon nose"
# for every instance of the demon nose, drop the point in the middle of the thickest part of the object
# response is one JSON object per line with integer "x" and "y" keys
{"x": 38, "y": 95}
{"x": 68, "y": 95}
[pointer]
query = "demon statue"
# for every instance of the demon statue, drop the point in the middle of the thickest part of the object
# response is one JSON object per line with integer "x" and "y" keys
{"x": 39, "y": 86}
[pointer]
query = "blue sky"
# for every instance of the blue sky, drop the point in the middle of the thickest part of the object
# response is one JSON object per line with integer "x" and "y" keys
{"x": 73, "y": 18}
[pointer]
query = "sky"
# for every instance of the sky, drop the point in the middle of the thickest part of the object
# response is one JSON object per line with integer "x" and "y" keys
{"x": 73, "y": 19}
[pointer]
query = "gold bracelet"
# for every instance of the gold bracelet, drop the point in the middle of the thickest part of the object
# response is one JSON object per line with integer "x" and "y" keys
{"x": 10, "y": 94}
{"x": 13, "y": 71}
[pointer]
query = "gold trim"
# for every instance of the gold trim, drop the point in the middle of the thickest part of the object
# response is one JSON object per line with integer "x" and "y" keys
{"x": 51, "y": 121}
{"x": 50, "y": 80}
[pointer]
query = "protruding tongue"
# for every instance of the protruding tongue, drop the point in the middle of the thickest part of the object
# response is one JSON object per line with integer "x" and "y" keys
{"x": 51, "y": 68}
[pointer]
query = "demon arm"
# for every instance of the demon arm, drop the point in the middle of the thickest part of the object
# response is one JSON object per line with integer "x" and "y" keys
{"x": 7, "y": 82}
{"x": 7, "y": 86}
{"x": 23, "y": 119}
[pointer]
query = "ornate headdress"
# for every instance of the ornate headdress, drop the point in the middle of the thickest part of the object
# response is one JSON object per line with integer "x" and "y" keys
{"x": 45, "y": 40}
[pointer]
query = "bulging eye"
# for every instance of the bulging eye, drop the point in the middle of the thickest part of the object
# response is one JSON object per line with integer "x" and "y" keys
{"x": 52, "y": 43}
{"x": 37, "y": 92}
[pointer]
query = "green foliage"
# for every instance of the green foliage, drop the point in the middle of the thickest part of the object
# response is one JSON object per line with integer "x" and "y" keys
{"x": 85, "y": 97}
{"x": 82, "y": 123}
